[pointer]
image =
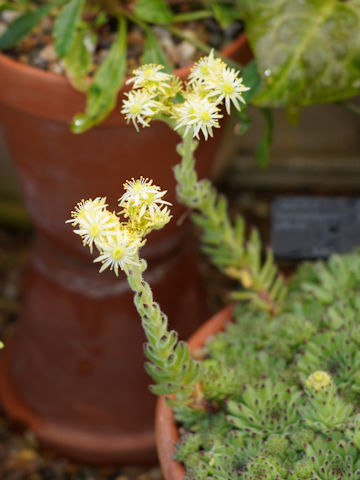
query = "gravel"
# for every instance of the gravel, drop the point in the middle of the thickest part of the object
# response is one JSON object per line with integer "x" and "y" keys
{"x": 37, "y": 48}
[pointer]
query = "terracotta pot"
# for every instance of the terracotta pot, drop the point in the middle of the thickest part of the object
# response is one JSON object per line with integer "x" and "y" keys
{"x": 166, "y": 430}
{"x": 73, "y": 371}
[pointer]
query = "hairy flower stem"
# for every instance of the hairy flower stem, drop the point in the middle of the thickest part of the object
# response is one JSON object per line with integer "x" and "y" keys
{"x": 171, "y": 366}
{"x": 223, "y": 241}
{"x": 201, "y": 196}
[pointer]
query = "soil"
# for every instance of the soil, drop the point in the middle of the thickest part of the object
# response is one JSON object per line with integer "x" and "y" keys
{"x": 38, "y": 51}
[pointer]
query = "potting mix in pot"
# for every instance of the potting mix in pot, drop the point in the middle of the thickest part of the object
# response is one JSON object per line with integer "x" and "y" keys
{"x": 96, "y": 44}
{"x": 276, "y": 395}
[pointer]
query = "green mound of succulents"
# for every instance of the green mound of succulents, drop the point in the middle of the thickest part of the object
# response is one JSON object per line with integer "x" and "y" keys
{"x": 283, "y": 391}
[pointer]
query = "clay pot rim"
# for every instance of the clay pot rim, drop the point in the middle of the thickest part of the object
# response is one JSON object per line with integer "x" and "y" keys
{"x": 60, "y": 79}
{"x": 166, "y": 431}
{"x": 37, "y": 92}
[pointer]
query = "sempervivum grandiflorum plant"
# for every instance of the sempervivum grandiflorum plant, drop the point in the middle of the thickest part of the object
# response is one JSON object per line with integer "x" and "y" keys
{"x": 276, "y": 395}
{"x": 284, "y": 388}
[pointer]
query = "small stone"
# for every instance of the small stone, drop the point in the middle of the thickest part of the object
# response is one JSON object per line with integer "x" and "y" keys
{"x": 90, "y": 43}
{"x": 10, "y": 15}
{"x": 27, "y": 44}
{"x": 55, "y": 68}
{"x": 39, "y": 62}
{"x": 44, "y": 39}
{"x": 48, "y": 53}
{"x": 185, "y": 51}
{"x": 47, "y": 24}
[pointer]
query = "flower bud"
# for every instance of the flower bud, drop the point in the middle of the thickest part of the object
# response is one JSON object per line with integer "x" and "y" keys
{"x": 319, "y": 380}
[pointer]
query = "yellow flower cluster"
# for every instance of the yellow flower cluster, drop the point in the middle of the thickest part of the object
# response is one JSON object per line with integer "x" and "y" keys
{"x": 318, "y": 381}
{"x": 193, "y": 108}
{"x": 143, "y": 205}
{"x": 119, "y": 242}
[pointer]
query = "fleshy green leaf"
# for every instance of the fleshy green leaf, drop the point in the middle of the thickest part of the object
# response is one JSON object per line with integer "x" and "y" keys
{"x": 6, "y": 6}
{"x": 153, "y": 11}
{"x": 262, "y": 149}
{"x": 65, "y": 26}
{"x": 101, "y": 19}
{"x": 23, "y": 25}
{"x": 251, "y": 79}
{"x": 307, "y": 52}
{"x": 223, "y": 13}
{"x": 78, "y": 61}
{"x": 102, "y": 93}
{"x": 153, "y": 52}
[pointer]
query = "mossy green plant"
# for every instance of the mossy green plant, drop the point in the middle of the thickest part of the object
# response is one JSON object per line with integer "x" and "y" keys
{"x": 306, "y": 425}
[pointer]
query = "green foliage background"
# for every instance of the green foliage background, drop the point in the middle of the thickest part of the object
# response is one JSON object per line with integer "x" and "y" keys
{"x": 307, "y": 51}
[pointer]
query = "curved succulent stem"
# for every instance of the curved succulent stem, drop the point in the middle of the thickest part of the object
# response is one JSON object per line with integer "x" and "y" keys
{"x": 225, "y": 241}
{"x": 171, "y": 366}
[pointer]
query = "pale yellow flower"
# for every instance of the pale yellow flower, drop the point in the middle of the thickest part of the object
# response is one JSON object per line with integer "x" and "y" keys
{"x": 84, "y": 206}
{"x": 94, "y": 225}
{"x": 172, "y": 88}
{"x": 319, "y": 380}
{"x": 120, "y": 251}
{"x": 226, "y": 86}
{"x": 140, "y": 107}
{"x": 142, "y": 197}
{"x": 197, "y": 114}
{"x": 205, "y": 68}
{"x": 160, "y": 218}
{"x": 150, "y": 75}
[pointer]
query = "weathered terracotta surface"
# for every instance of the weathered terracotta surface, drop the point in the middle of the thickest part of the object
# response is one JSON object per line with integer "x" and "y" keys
{"x": 73, "y": 371}
{"x": 166, "y": 430}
